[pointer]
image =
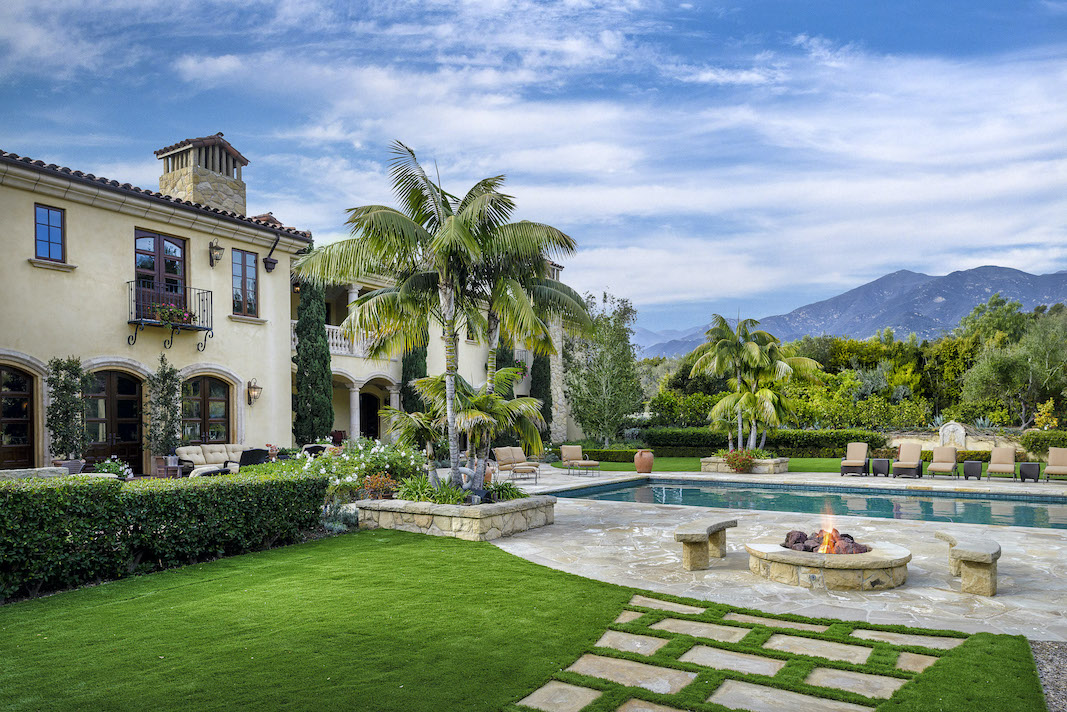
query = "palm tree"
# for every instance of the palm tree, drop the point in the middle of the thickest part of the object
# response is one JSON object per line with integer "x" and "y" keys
{"x": 428, "y": 249}
{"x": 481, "y": 415}
{"x": 732, "y": 352}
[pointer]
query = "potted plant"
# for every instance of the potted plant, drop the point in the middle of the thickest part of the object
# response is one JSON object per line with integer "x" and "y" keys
{"x": 164, "y": 413}
{"x": 171, "y": 315}
{"x": 113, "y": 466}
{"x": 67, "y": 381}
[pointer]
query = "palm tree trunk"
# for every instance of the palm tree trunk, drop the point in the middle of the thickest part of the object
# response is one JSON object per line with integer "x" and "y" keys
{"x": 494, "y": 343}
{"x": 740, "y": 429}
{"x": 448, "y": 311}
{"x": 752, "y": 435}
{"x": 763, "y": 440}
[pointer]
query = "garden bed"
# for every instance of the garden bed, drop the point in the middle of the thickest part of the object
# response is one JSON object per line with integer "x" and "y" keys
{"x": 476, "y": 522}
{"x": 771, "y": 466}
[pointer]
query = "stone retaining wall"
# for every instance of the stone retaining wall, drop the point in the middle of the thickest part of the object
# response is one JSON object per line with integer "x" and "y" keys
{"x": 759, "y": 467}
{"x": 479, "y": 522}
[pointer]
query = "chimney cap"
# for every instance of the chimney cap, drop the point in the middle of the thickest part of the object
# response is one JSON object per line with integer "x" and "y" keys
{"x": 213, "y": 140}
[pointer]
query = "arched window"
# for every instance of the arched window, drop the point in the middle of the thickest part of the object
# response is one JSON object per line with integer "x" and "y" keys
{"x": 16, "y": 418}
{"x": 205, "y": 410}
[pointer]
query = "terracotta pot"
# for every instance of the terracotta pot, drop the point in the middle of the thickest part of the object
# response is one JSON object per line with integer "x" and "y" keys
{"x": 643, "y": 461}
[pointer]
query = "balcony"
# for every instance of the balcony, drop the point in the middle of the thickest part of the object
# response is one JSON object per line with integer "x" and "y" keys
{"x": 339, "y": 345}
{"x": 177, "y": 308}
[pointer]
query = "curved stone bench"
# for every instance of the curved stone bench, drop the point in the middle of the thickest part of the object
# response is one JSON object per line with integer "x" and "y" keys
{"x": 702, "y": 539}
{"x": 974, "y": 560}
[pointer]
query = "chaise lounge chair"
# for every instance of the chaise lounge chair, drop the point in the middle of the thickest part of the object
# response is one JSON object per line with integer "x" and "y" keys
{"x": 1001, "y": 461}
{"x": 944, "y": 462}
{"x": 909, "y": 462}
{"x": 1057, "y": 462}
{"x": 856, "y": 461}
{"x": 513, "y": 460}
{"x": 573, "y": 459}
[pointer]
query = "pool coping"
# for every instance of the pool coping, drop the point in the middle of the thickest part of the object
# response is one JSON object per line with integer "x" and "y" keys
{"x": 888, "y": 488}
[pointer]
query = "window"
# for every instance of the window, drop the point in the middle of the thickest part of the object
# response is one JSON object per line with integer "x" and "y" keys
{"x": 205, "y": 411}
{"x": 48, "y": 233}
{"x": 245, "y": 283}
{"x": 159, "y": 266}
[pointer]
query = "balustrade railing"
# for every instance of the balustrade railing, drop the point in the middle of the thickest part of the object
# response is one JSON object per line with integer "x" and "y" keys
{"x": 339, "y": 345}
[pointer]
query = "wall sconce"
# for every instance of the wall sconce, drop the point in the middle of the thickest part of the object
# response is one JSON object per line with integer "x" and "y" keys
{"x": 215, "y": 252}
{"x": 254, "y": 391}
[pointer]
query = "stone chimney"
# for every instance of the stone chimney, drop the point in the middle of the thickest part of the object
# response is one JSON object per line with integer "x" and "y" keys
{"x": 204, "y": 170}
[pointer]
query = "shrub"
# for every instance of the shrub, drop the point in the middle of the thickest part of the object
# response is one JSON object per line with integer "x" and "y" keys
{"x": 66, "y": 531}
{"x": 781, "y": 441}
{"x": 890, "y": 453}
{"x": 415, "y": 489}
{"x": 378, "y": 486}
{"x": 113, "y": 466}
{"x": 756, "y": 453}
{"x": 1039, "y": 441}
{"x": 504, "y": 491}
{"x": 614, "y": 455}
{"x": 740, "y": 460}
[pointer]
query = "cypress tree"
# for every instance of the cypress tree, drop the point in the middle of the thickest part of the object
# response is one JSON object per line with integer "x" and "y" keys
{"x": 541, "y": 385}
{"x": 313, "y": 402}
{"x": 412, "y": 367}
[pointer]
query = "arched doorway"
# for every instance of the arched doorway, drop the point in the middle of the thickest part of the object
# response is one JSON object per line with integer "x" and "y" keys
{"x": 369, "y": 405}
{"x": 113, "y": 418}
{"x": 205, "y": 410}
{"x": 16, "y": 418}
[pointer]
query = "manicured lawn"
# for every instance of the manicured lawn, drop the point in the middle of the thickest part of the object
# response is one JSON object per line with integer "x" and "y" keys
{"x": 393, "y": 621}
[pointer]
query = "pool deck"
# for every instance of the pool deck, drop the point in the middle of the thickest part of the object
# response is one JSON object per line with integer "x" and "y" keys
{"x": 632, "y": 544}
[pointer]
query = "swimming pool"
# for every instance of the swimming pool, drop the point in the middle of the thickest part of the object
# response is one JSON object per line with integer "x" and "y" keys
{"x": 1046, "y": 512}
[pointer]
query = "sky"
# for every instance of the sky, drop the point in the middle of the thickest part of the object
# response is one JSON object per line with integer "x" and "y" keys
{"x": 732, "y": 157}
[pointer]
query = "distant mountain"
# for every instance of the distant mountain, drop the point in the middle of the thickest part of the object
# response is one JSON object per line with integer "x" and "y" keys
{"x": 904, "y": 301}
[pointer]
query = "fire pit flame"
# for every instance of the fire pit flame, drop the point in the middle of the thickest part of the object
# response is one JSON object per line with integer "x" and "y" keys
{"x": 824, "y": 542}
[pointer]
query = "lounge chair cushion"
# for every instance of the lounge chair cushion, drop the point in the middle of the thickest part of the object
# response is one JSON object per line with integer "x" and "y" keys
{"x": 1057, "y": 457}
{"x": 1002, "y": 456}
{"x": 909, "y": 452}
{"x": 855, "y": 453}
{"x": 570, "y": 453}
{"x": 1056, "y": 470}
{"x": 1003, "y": 469}
{"x": 233, "y": 452}
{"x": 905, "y": 465}
{"x": 585, "y": 463}
{"x": 853, "y": 463}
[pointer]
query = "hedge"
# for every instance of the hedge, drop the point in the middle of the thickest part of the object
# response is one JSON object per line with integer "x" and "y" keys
{"x": 780, "y": 441}
{"x": 67, "y": 531}
{"x": 890, "y": 453}
{"x": 1039, "y": 441}
{"x": 604, "y": 455}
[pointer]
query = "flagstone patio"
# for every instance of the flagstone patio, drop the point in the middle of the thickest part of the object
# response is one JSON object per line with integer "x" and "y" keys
{"x": 632, "y": 544}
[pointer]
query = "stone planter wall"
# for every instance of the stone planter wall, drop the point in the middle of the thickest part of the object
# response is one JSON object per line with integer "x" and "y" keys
{"x": 479, "y": 522}
{"x": 759, "y": 467}
{"x": 33, "y": 472}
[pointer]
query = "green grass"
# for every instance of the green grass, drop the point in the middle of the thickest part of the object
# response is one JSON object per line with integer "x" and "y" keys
{"x": 396, "y": 621}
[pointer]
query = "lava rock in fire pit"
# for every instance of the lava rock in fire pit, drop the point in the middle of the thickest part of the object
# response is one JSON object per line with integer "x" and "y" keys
{"x": 836, "y": 543}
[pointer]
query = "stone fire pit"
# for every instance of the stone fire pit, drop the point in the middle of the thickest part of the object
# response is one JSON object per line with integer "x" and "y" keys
{"x": 884, "y": 566}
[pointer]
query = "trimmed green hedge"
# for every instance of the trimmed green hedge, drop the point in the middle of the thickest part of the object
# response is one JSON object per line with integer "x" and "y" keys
{"x": 1039, "y": 441}
{"x": 890, "y": 453}
{"x": 66, "y": 531}
{"x": 779, "y": 441}
{"x": 604, "y": 455}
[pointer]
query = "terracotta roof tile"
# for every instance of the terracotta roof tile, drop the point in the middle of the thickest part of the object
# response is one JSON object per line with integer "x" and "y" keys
{"x": 264, "y": 222}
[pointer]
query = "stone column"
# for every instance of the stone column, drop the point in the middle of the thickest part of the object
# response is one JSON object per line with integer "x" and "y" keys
{"x": 557, "y": 430}
{"x": 353, "y": 410}
{"x": 394, "y": 399}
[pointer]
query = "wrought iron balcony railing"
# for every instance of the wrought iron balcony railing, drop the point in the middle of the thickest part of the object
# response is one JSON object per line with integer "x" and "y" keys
{"x": 177, "y": 308}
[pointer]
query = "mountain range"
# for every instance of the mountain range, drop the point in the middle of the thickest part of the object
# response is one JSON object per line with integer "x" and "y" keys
{"x": 905, "y": 301}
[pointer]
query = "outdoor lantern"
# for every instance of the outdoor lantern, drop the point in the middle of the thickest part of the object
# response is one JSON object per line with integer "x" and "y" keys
{"x": 216, "y": 251}
{"x": 254, "y": 391}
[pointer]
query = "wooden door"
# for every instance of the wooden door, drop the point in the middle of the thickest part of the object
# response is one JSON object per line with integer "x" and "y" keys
{"x": 113, "y": 419}
{"x": 16, "y": 419}
{"x": 369, "y": 405}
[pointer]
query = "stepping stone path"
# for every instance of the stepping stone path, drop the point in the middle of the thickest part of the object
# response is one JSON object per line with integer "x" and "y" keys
{"x": 859, "y": 682}
{"x": 646, "y": 602}
{"x": 775, "y": 623}
{"x": 557, "y": 696}
{"x": 926, "y": 641}
{"x": 760, "y": 698}
{"x": 632, "y": 674}
{"x": 819, "y": 648}
{"x": 560, "y": 697}
{"x": 913, "y": 662}
{"x": 729, "y": 660}
{"x": 725, "y": 633}
{"x": 630, "y": 643}
{"x": 642, "y": 706}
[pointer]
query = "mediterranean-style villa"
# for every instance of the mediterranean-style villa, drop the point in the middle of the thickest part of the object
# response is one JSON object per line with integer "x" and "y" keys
{"x": 92, "y": 267}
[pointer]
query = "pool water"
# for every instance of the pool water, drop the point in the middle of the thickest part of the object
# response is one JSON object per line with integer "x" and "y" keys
{"x": 1009, "y": 510}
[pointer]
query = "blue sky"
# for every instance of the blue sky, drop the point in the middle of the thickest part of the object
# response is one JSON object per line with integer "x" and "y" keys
{"x": 736, "y": 156}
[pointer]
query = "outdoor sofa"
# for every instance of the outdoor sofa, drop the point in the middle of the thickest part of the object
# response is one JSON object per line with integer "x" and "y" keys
{"x": 200, "y": 459}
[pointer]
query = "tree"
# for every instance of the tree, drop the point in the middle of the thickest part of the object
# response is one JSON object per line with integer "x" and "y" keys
{"x": 541, "y": 385}
{"x": 412, "y": 368}
{"x": 600, "y": 369}
{"x": 733, "y": 353}
{"x": 998, "y": 322}
{"x": 314, "y": 379}
{"x": 164, "y": 408}
{"x": 428, "y": 248}
{"x": 67, "y": 381}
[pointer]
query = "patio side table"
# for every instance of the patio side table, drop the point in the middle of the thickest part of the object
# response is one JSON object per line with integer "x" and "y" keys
{"x": 972, "y": 468}
{"x": 1029, "y": 471}
{"x": 880, "y": 466}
